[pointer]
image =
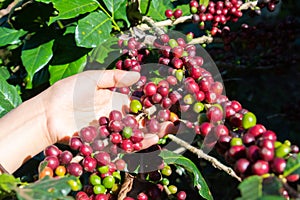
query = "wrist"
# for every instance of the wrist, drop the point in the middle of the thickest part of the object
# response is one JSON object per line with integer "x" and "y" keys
{"x": 24, "y": 133}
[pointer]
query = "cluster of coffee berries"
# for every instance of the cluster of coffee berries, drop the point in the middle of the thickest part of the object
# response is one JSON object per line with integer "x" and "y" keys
{"x": 94, "y": 153}
{"x": 216, "y": 13}
{"x": 59, "y": 163}
{"x": 250, "y": 147}
{"x": 178, "y": 88}
{"x": 209, "y": 112}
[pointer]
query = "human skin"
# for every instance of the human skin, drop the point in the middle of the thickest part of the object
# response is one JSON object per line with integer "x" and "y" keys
{"x": 60, "y": 111}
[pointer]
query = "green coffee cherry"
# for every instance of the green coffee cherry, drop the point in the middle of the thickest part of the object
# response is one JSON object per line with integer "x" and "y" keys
{"x": 249, "y": 120}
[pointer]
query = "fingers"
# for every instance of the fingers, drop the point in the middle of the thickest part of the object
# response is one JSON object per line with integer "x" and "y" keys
{"x": 149, "y": 140}
{"x": 113, "y": 78}
{"x": 167, "y": 128}
{"x": 106, "y": 101}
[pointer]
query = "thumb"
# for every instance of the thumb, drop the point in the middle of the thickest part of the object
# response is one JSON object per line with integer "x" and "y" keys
{"x": 113, "y": 78}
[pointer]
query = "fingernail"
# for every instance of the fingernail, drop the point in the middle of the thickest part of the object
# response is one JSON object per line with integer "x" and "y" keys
{"x": 134, "y": 75}
{"x": 151, "y": 136}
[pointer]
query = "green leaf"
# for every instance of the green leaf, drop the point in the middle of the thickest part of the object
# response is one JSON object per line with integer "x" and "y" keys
{"x": 66, "y": 43}
{"x": 158, "y": 8}
{"x": 44, "y": 1}
{"x": 199, "y": 182}
{"x": 9, "y": 97}
{"x": 101, "y": 52}
{"x": 204, "y": 2}
{"x": 292, "y": 165}
{"x": 4, "y": 73}
{"x": 36, "y": 58}
{"x": 251, "y": 188}
{"x": 271, "y": 186}
{"x": 58, "y": 72}
{"x": 121, "y": 13}
{"x": 8, "y": 182}
{"x": 10, "y": 36}
{"x": 70, "y": 9}
{"x": 46, "y": 188}
{"x": 143, "y": 6}
{"x": 93, "y": 30}
{"x": 114, "y": 5}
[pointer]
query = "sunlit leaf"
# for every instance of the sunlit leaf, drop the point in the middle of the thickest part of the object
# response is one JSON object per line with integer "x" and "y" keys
{"x": 10, "y": 36}
{"x": 204, "y": 2}
{"x": 9, "y": 97}
{"x": 115, "y": 6}
{"x": 120, "y": 13}
{"x": 93, "y": 30}
{"x": 158, "y": 8}
{"x": 143, "y": 5}
{"x": 8, "y": 182}
{"x": 101, "y": 52}
{"x": 70, "y": 9}
{"x": 46, "y": 188}
{"x": 4, "y": 73}
{"x": 36, "y": 58}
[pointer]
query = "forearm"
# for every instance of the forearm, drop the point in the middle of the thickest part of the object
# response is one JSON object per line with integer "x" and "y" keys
{"x": 23, "y": 133}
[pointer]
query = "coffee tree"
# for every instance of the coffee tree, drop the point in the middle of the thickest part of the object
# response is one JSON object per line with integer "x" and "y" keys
{"x": 167, "y": 42}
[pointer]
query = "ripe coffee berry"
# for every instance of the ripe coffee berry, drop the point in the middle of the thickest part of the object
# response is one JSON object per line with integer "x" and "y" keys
{"x": 88, "y": 134}
{"x": 214, "y": 114}
{"x": 177, "y": 13}
{"x": 65, "y": 157}
{"x": 150, "y": 89}
{"x": 52, "y": 162}
{"x": 242, "y": 165}
{"x": 164, "y": 38}
{"x": 278, "y": 165}
{"x": 260, "y": 167}
{"x": 103, "y": 158}
{"x": 89, "y": 164}
{"x": 142, "y": 196}
{"x": 181, "y": 195}
{"x": 74, "y": 169}
{"x": 169, "y": 13}
{"x": 52, "y": 150}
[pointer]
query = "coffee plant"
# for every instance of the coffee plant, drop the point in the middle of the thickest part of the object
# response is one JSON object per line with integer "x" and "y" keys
{"x": 218, "y": 148}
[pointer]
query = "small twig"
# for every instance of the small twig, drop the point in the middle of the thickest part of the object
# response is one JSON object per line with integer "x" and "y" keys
{"x": 247, "y": 5}
{"x": 201, "y": 154}
{"x": 126, "y": 186}
{"x": 7, "y": 10}
{"x": 151, "y": 24}
{"x": 76, "y": 159}
{"x": 150, "y": 111}
{"x": 201, "y": 40}
{"x": 167, "y": 190}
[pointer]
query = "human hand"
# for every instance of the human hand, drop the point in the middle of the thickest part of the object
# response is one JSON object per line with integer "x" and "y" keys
{"x": 76, "y": 101}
